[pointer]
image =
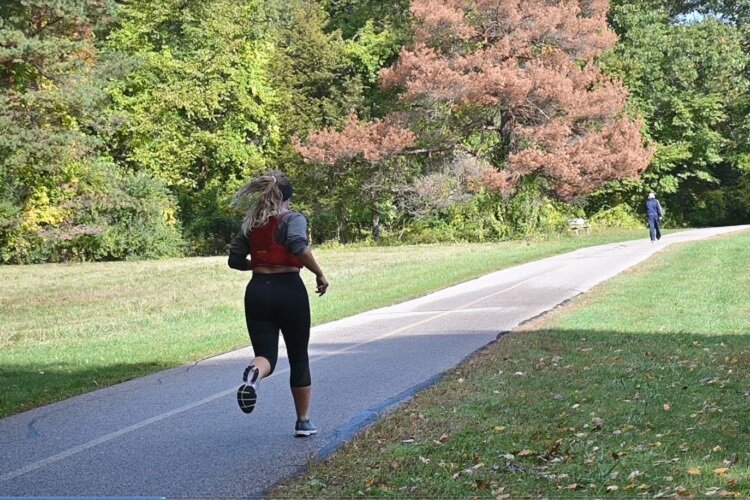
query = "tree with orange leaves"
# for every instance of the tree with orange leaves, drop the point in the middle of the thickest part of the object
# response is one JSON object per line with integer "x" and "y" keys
{"x": 511, "y": 82}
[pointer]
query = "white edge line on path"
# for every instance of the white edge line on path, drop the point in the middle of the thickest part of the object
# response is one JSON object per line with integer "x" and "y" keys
{"x": 108, "y": 437}
{"x": 114, "y": 435}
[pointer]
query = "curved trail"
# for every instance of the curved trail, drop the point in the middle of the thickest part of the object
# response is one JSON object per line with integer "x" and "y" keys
{"x": 179, "y": 433}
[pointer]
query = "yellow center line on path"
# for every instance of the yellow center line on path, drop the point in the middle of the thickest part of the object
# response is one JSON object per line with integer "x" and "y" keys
{"x": 426, "y": 320}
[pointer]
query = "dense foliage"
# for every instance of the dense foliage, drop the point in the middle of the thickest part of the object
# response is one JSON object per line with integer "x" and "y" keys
{"x": 125, "y": 127}
{"x": 690, "y": 82}
{"x": 512, "y": 84}
{"x": 61, "y": 194}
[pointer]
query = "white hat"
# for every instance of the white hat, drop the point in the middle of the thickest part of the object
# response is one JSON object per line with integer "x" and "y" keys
{"x": 652, "y": 195}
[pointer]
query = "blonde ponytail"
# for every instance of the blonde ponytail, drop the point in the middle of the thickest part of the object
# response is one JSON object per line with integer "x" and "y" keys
{"x": 267, "y": 198}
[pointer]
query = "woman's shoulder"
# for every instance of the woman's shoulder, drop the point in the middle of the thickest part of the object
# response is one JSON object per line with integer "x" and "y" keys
{"x": 292, "y": 215}
{"x": 293, "y": 223}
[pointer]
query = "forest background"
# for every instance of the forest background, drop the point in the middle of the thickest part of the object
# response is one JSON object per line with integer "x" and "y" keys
{"x": 126, "y": 127}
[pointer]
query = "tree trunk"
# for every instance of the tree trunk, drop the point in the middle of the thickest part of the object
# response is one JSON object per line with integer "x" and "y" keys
{"x": 507, "y": 124}
{"x": 342, "y": 231}
{"x": 376, "y": 224}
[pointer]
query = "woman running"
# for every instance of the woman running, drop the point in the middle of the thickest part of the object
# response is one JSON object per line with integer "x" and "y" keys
{"x": 273, "y": 244}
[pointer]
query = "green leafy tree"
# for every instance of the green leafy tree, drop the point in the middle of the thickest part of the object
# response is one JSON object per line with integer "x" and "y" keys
{"x": 311, "y": 70}
{"x": 325, "y": 66}
{"x": 374, "y": 31}
{"x": 200, "y": 107}
{"x": 52, "y": 159}
{"x": 689, "y": 81}
{"x": 734, "y": 11}
{"x": 46, "y": 104}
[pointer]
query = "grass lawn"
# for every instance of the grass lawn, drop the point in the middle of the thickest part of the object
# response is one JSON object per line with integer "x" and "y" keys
{"x": 69, "y": 329}
{"x": 639, "y": 388}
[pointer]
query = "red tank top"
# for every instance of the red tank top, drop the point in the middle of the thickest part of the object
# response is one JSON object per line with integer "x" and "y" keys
{"x": 265, "y": 251}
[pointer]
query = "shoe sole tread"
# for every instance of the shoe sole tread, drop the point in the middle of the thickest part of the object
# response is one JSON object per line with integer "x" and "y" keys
{"x": 247, "y": 397}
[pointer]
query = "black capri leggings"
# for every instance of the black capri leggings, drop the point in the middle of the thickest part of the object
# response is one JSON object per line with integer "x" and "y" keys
{"x": 276, "y": 302}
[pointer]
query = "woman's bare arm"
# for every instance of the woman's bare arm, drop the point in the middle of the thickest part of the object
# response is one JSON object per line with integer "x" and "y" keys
{"x": 308, "y": 260}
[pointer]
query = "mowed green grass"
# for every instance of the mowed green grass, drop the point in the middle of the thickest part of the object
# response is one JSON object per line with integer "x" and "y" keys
{"x": 639, "y": 388}
{"x": 69, "y": 329}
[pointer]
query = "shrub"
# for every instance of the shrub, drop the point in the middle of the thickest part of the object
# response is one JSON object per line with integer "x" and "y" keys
{"x": 112, "y": 217}
{"x": 139, "y": 220}
{"x": 208, "y": 221}
{"x": 620, "y": 216}
{"x": 530, "y": 213}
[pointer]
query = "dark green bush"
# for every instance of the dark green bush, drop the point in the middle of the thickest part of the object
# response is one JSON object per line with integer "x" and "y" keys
{"x": 620, "y": 216}
{"x": 208, "y": 221}
{"x": 130, "y": 216}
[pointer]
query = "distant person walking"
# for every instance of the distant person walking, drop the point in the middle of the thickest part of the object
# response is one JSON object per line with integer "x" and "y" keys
{"x": 273, "y": 244}
{"x": 655, "y": 215}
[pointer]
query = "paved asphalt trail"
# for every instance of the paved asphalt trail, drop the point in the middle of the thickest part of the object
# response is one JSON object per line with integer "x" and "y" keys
{"x": 179, "y": 433}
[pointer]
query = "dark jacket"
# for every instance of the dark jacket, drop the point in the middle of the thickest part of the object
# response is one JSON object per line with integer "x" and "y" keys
{"x": 653, "y": 208}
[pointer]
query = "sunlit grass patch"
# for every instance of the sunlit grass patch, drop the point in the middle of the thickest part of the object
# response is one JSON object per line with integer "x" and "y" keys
{"x": 68, "y": 329}
{"x": 649, "y": 401}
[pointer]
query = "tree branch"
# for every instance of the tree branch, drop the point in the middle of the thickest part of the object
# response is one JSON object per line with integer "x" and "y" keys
{"x": 429, "y": 151}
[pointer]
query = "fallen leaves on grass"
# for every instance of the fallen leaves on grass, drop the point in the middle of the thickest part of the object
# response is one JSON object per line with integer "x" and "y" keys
{"x": 481, "y": 484}
{"x": 634, "y": 475}
{"x": 468, "y": 471}
{"x": 442, "y": 440}
{"x": 732, "y": 494}
{"x": 694, "y": 471}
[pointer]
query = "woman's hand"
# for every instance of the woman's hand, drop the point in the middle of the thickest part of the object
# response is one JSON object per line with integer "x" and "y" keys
{"x": 322, "y": 284}
{"x": 308, "y": 261}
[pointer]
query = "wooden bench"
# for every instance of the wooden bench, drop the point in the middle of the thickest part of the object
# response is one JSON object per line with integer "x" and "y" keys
{"x": 576, "y": 225}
